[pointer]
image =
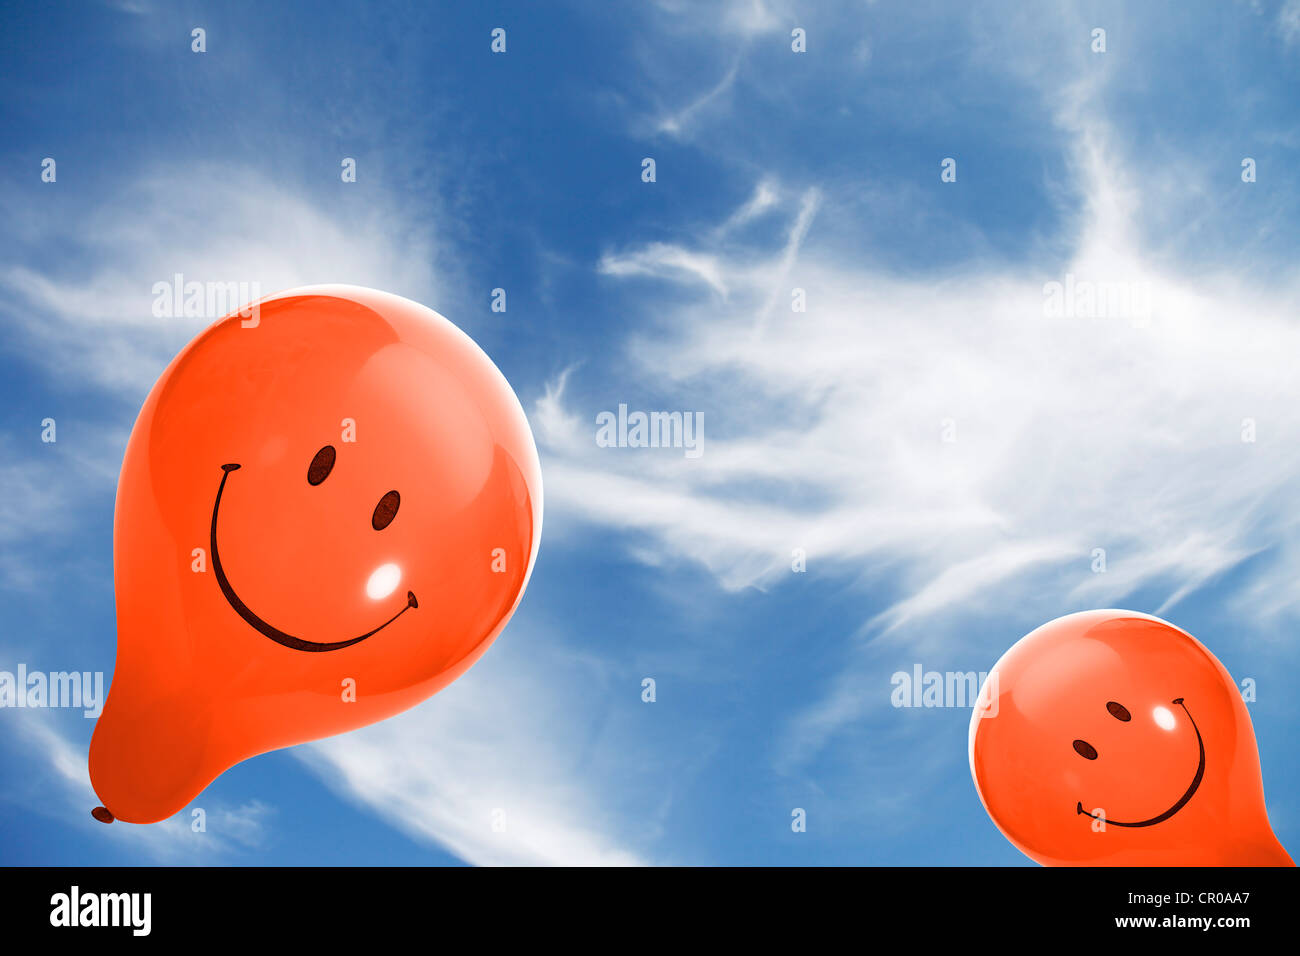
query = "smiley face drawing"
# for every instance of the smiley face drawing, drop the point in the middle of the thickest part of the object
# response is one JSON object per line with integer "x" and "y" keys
{"x": 381, "y": 580}
{"x": 1166, "y": 720}
{"x": 327, "y": 511}
{"x": 1114, "y": 738}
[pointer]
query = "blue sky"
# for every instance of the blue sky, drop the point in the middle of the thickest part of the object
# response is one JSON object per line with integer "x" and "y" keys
{"x": 822, "y": 429}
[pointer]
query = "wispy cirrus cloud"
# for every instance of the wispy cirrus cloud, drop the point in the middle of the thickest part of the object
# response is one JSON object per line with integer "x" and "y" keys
{"x": 490, "y": 767}
{"x": 969, "y": 432}
{"x": 1288, "y": 21}
{"x": 745, "y": 18}
{"x": 663, "y": 260}
{"x": 92, "y": 306}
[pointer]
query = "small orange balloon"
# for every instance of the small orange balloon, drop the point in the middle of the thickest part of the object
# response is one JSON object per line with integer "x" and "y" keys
{"x": 1113, "y": 738}
{"x": 328, "y": 509}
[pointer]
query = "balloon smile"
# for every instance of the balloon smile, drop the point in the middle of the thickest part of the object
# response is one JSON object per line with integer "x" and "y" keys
{"x": 274, "y": 633}
{"x": 1182, "y": 801}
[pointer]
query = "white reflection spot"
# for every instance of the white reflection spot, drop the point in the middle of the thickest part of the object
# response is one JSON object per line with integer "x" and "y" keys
{"x": 384, "y": 580}
{"x": 1164, "y": 718}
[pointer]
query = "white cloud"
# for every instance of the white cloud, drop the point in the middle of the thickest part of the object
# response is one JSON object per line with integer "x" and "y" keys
{"x": 677, "y": 121}
{"x": 43, "y": 496}
{"x": 827, "y": 428}
{"x": 740, "y": 23}
{"x": 764, "y": 198}
{"x": 746, "y": 18}
{"x": 500, "y": 745}
{"x": 660, "y": 260}
{"x": 92, "y": 309}
{"x": 1288, "y": 21}
{"x": 551, "y": 420}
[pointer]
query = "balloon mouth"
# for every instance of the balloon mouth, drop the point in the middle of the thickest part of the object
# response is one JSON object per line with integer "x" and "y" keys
{"x": 256, "y": 622}
{"x": 1182, "y": 801}
{"x": 102, "y": 814}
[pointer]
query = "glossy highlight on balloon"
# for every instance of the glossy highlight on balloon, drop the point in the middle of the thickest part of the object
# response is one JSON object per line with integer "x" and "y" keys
{"x": 1113, "y": 738}
{"x": 325, "y": 514}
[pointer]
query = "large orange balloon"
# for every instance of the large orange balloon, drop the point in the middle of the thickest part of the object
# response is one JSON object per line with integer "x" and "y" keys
{"x": 1114, "y": 738}
{"x": 326, "y": 513}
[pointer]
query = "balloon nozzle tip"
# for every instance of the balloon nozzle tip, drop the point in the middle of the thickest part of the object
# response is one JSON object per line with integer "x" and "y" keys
{"x": 102, "y": 815}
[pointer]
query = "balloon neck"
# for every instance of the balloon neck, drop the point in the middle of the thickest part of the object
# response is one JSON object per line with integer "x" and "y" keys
{"x": 102, "y": 814}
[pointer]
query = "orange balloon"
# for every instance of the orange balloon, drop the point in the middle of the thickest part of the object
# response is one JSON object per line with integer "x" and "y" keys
{"x": 1112, "y": 738}
{"x": 326, "y": 513}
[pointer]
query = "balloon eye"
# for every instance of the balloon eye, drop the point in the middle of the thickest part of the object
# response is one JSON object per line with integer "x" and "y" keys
{"x": 1085, "y": 750}
{"x": 321, "y": 465}
{"x": 385, "y": 511}
{"x": 1118, "y": 711}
